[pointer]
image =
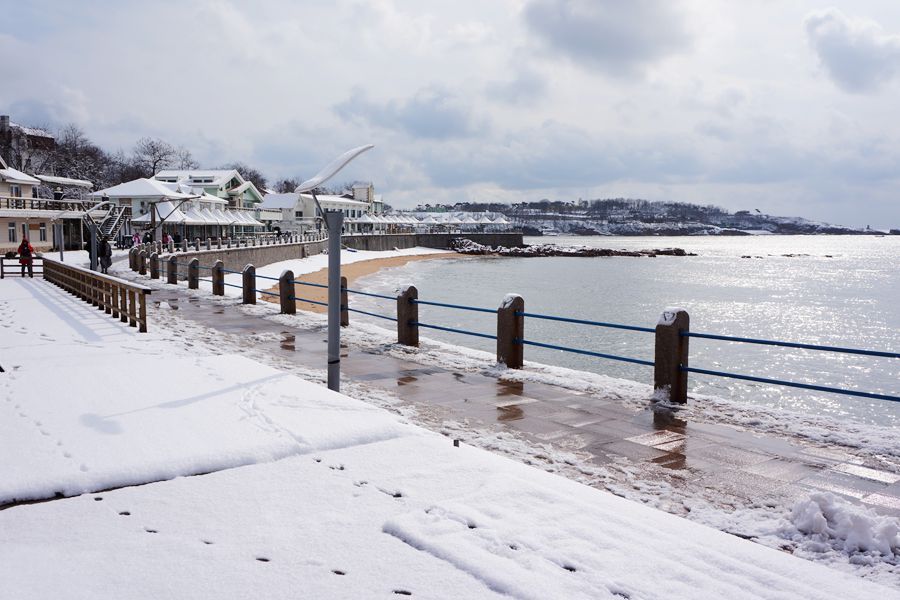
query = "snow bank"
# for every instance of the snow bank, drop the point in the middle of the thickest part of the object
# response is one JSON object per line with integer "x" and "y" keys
{"x": 825, "y": 521}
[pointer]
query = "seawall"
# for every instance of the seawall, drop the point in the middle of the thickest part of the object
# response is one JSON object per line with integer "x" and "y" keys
{"x": 235, "y": 259}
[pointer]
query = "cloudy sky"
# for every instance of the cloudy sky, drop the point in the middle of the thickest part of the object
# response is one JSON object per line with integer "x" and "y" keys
{"x": 788, "y": 106}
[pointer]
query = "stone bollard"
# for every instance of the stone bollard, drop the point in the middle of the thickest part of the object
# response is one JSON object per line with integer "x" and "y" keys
{"x": 171, "y": 246}
{"x": 184, "y": 245}
{"x": 132, "y": 259}
{"x": 511, "y": 331}
{"x": 208, "y": 244}
{"x": 218, "y": 278}
{"x": 194, "y": 274}
{"x": 249, "y": 283}
{"x": 142, "y": 262}
{"x": 228, "y": 243}
{"x": 254, "y": 241}
{"x": 197, "y": 244}
{"x": 286, "y": 293}
{"x": 154, "y": 266}
{"x": 172, "y": 275}
{"x": 345, "y": 304}
{"x": 671, "y": 355}
{"x": 159, "y": 247}
{"x": 408, "y": 316}
{"x": 218, "y": 243}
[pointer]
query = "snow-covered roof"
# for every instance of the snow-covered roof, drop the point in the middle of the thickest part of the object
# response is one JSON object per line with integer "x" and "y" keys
{"x": 217, "y": 177}
{"x": 142, "y": 188}
{"x": 278, "y": 201}
{"x": 15, "y": 176}
{"x": 345, "y": 202}
{"x": 32, "y": 131}
{"x": 66, "y": 181}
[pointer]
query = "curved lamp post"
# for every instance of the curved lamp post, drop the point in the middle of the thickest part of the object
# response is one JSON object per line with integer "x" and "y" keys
{"x": 333, "y": 222}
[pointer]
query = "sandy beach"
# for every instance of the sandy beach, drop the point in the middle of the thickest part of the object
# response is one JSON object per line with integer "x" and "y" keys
{"x": 352, "y": 272}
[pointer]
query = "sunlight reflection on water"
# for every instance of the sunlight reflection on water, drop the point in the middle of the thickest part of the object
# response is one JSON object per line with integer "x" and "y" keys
{"x": 835, "y": 290}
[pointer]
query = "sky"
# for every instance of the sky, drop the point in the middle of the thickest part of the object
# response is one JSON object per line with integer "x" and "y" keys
{"x": 786, "y": 106}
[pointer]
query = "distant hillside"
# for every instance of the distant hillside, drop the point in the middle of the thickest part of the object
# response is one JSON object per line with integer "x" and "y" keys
{"x": 622, "y": 216}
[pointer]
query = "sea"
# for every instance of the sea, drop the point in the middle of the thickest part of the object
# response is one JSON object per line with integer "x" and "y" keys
{"x": 827, "y": 290}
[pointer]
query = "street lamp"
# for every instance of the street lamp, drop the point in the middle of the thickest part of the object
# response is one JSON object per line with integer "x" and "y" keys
{"x": 333, "y": 222}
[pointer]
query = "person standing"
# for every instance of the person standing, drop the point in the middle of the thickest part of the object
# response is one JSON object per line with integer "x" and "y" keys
{"x": 104, "y": 253}
{"x": 26, "y": 257}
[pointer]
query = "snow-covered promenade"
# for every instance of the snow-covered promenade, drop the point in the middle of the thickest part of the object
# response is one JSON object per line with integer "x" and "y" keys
{"x": 301, "y": 492}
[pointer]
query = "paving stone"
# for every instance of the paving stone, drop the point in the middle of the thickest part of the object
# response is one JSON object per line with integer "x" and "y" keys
{"x": 731, "y": 456}
{"x": 655, "y": 438}
{"x": 867, "y": 473}
{"x": 783, "y": 469}
{"x": 843, "y": 484}
{"x": 637, "y": 452}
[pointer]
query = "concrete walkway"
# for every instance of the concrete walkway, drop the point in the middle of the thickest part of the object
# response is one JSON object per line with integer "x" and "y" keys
{"x": 736, "y": 469}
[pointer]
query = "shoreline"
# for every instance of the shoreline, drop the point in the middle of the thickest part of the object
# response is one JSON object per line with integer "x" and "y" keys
{"x": 352, "y": 272}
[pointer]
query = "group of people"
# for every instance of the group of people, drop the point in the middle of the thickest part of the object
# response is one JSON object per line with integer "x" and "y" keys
{"x": 104, "y": 251}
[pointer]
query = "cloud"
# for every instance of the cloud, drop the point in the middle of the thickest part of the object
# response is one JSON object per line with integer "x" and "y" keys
{"x": 856, "y": 53}
{"x": 619, "y": 38}
{"x": 431, "y": 113}
{"x": 525, "y": 89}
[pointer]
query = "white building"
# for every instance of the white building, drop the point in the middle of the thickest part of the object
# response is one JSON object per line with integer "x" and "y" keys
{"x": 227, "y": 184}
{"x": 297, "y": 213}
{"x": 178, "y": 208}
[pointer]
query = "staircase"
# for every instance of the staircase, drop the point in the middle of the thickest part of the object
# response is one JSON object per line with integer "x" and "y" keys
{"x": 113, "y": 221}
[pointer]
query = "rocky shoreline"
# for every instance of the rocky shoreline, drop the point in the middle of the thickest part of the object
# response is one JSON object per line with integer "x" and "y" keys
{"x": 465, "y": 246}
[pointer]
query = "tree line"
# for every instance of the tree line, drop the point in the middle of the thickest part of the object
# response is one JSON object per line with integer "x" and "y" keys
{"x": 76, "y": 156}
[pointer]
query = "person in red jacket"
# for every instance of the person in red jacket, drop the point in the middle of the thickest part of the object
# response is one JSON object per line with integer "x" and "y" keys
{"x": 26, "y": 257}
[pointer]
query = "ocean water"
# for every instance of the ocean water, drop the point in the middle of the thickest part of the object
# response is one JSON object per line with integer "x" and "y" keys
{"x": 833, "y": 290}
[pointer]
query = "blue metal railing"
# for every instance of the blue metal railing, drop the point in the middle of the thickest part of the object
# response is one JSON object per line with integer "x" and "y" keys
{"x": 371, "y": 314}
{"x": 457, "y": 306}
{"x": 728, "y": 338}
{"x": 637, "y": 361}
{"x": 454, "y": 330}
{"x": 316, "y": 302}
{"x": 585, "y": 322}
{"x": 382, "y": 296}
{"x": 805, "y": 386}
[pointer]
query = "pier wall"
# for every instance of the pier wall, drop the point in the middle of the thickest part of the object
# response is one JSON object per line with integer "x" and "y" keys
{"x": 236, "y": 259}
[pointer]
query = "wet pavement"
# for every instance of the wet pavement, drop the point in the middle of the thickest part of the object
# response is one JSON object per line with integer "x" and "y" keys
{"x": 737, "y": 467}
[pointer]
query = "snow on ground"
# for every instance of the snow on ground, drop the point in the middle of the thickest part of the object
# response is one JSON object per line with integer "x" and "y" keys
{"x": 107, "y": 416}
{"x": 775, "y": 525}
{"x": 331, "y": 487}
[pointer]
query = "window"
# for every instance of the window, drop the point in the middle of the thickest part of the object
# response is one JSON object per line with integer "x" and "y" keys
{"x": 42, "y": 232}
{"x": 12, "y": 232}
{"x": 298, "y": 214}
{"x": 15, "y": 191}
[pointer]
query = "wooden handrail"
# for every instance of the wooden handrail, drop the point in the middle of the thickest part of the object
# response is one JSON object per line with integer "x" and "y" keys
{"x": 122, "y": 299}
{"x": 7, "y": 272}
{"x": 15, "y": 203}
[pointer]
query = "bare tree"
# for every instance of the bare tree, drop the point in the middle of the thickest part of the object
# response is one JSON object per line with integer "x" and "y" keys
{"x": 184, "y": 160}
{"x": 153, "y": 154}
{"x": 286, "y": 186}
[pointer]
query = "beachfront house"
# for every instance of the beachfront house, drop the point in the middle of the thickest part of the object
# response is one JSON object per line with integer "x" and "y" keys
{"x": 170, "y": 208}
{"x": 297, "y": 213}
{"x": 23, "y": 215}
{"x": 227, "y": 184}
